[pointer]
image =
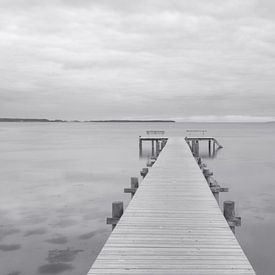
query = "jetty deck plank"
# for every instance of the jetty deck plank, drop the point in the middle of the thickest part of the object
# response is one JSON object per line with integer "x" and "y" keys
{"x": 173, "y": 225}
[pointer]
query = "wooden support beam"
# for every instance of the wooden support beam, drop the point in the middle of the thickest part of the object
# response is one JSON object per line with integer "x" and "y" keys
{"x": 117, "y": 212}
{"x": 229, "y": 214}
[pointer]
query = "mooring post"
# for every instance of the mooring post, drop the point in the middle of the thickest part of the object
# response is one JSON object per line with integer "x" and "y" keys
{"x": 134, "y": 187}
{"x": 229, "y": 214}
{"x": 117, "y": 212}
{"x": 144, "y": 172}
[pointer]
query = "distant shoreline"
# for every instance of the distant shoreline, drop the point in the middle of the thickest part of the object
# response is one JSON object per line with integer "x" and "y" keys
{"x": 80, "y": 121}
{"x": 124, "y": 121}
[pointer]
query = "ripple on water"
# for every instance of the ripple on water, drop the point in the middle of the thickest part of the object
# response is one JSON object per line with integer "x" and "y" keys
{"x": 38, "y": 231}
{"x": 58, "y": 261}
{"x": 59, "y": 239}
{"x": 9, "y": 247}
{"x": 54, "y": 268}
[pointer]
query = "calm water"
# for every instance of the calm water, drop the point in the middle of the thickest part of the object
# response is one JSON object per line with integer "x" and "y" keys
{"x": 57, "y": 183}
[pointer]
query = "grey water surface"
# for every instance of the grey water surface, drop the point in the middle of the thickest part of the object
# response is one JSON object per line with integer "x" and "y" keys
{"x": 58, "y": 180}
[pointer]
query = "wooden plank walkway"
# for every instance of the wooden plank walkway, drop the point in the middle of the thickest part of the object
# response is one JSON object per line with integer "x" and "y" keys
{"x": 173, "y": 225}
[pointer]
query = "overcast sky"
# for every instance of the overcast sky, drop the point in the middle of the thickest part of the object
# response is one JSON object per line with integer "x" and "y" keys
{"x": 186, "y": 60}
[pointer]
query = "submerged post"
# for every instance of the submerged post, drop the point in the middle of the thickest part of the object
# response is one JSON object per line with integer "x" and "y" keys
{"x": 117, "y": 212}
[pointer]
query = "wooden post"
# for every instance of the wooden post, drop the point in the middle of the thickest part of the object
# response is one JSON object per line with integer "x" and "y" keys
{"x": 229, "y": 214}
{"x": 193, "y": 146}
{"x": 197, "y": 148}
{"x": 140, "y": 146}
{"x": 162, "y": 144}
{"x": 133, "y": 188}
{"x": 209, "y": 147}
{"x": 153, "y": 148}
{"x": 157, "y": 148}
{"x": 216, "y": 188}
{"x": 151, "y": 162}
{"x": 207, "y": 173}
{"x": 134, "y": 182}
{"x": 117, "y": 212}
{"x": 144, "y": 172}
{"x": 217, "y": 196}
{"x": 214, "y": 147}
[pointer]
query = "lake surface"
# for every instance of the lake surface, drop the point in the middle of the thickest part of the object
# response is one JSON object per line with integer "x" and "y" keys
{"x": 58, "y": 180}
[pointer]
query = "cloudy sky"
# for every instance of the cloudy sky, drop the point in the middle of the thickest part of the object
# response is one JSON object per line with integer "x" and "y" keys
{"x": 101, "y": 59}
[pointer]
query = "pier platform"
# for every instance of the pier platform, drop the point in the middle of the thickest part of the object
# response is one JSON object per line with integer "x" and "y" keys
{"x": 173, "y": 225}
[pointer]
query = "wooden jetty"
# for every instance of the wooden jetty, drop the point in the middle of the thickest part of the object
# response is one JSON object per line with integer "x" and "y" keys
{"x": 158, "y": 142}
{"x": 173, "y": 225}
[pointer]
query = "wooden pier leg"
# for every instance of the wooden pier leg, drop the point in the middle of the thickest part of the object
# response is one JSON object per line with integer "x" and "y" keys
{"x": 214, "y": 147}
{"x": 229, "y": 213}
{"x": 207, "y": 173}
{"x": 217, "y": 196}
{"x": 144, "y": 172}
{"x": 162, "y": 144}
{"x": 134, "y": 184}
{"x": 197, "y": 150}
{"x": 133, "y": 188}
{"x": 153, "y": 148}
{"x": 140, "y": 146}
{"x": 193, "y": 146}
{"x": 209, "y": 147}
{"x": 157, "y": 148}
{"x": 117, "y": 212}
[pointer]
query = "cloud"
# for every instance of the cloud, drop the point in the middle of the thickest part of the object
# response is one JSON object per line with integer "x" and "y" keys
{"x": 91, "y": 59}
